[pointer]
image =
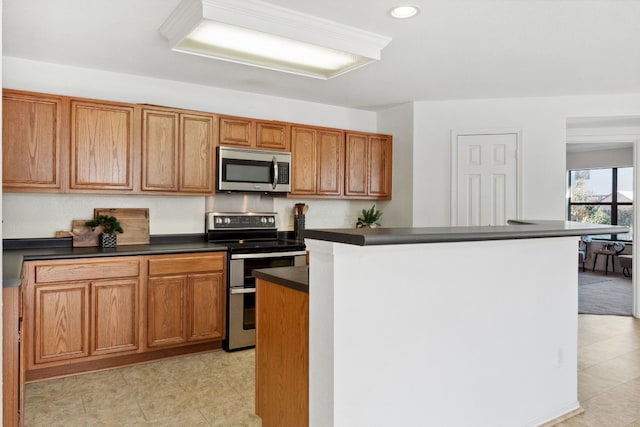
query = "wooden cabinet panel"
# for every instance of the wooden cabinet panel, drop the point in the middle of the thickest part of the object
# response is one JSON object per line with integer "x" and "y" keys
{"x": 159, "y": 150}
{"x": 380, "y": 159}
{"x": 196, "y": 159}
{"x": 165, "y": 311}
{"x": 114, "y": 307}
{"x": 250, "y": 133}
{"x": 356, "y": 154}
{"x": 32, "y": 138}
{"x": 236, "y": 131}
{"x": 177, "y": 151}
{"x": 12, "y": 395}
{"x": 282, "y": 355}
{"x": 188, "y": 263}
{"x": 272, "y": 136}
{"x": 186, "y": 298}
{"x": 368, "y": 166}
{"x": 317, "y": 158}
{"x": 61, "y": 324}
{"x": 50, "y": 272}
{"x": 205, "y": 297}
{"x": 329, "y": 157}
{"x": 303, "y": 160}
{"x": 101, "y": 146}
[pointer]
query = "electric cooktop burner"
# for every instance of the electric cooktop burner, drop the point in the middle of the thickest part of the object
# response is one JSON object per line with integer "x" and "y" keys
{"x": 249, "y": 232}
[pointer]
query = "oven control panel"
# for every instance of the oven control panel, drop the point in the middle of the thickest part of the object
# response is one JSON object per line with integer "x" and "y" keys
{"x": 241, "y": 221}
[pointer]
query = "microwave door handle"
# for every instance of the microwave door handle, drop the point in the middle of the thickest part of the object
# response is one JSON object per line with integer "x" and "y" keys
{"x": 275, "y": 172}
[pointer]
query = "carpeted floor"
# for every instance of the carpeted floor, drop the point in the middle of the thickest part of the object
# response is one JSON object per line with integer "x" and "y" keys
{"x": 600, "y": 294}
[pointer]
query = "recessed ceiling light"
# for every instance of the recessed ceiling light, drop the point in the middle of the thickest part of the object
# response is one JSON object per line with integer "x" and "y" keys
{"x": 254, "y": 32}
{"x": 404, "y": 12}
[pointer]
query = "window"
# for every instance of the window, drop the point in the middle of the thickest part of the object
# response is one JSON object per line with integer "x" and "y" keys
{"x": 602, "y": 196}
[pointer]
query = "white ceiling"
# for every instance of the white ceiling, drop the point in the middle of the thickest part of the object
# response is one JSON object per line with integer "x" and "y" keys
{"x": 451, "y": 50}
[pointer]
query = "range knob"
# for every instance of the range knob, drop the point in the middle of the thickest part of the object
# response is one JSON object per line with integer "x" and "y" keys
{"x": 227, "y": 220}
{"x": 263, "y": 220}
{"x": 272, "y": 220}
{"x": 218, "y": 220}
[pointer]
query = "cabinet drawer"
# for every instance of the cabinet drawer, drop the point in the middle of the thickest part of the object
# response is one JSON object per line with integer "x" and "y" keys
{"x": 186, "y": 264}
{"x": 64, "y": 272}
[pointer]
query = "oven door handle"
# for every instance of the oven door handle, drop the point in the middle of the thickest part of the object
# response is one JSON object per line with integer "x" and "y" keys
{"x": 236, "y": 291}
{"x": 268, "y": 255}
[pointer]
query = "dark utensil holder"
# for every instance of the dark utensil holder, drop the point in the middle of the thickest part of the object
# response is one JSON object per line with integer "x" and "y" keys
{"x": 298, "y": 227}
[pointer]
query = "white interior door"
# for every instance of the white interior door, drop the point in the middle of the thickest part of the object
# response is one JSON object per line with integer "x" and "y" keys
{"x": 484, "y": 178}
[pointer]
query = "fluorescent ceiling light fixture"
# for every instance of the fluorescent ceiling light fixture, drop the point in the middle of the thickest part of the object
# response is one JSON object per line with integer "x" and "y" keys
{"x": 257, "y": 33}
{"x": 404, "y": 12}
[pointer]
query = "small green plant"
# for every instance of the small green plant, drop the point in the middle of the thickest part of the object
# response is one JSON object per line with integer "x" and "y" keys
{"x": 109, "y": 224}
{"x": 370, "y": 216}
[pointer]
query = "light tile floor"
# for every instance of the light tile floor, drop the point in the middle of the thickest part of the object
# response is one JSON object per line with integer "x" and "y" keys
{"x": 207, "y": 389}
{"x": 217, "y": 388}
{"x": 608, "y": 372}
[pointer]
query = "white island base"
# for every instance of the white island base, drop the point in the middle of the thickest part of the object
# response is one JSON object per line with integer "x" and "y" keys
{"x": 480, "y": 333}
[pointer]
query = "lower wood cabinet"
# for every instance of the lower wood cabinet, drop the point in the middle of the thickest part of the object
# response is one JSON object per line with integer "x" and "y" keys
{"x": 12, "y": 391}
{"x": 282, "y": 355}
{"x": 80, "y": 309}
{"x": 91, "y": 313}
{"x": 186, "y": 299}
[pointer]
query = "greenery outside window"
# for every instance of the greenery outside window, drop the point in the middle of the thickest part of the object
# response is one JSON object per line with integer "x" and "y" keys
{"x": 602, "y": 196}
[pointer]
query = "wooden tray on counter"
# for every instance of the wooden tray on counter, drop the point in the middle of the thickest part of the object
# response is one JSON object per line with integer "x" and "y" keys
{"x": 134, "y": 222}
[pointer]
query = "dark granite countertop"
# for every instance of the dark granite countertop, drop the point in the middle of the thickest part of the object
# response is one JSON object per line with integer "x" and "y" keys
{"x": 12, "y": 258}
{"x": 515, "y": 230}
{"x": 292, "y": 277}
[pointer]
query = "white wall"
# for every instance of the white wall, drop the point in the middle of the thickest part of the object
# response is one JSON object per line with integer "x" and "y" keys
{"x": 543, "y": 124}
{"x": 168, "y": 215}
{"x": 398, "y": 121}
{"x": 397, "y": 339}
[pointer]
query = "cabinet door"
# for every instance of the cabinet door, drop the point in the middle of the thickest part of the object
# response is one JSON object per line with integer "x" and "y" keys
{"x": 166, "y": 311}
{"x": 206, "y": 298}
{"x": 114, "y": 309}
{"x": 61, "y": 326}
{"x": 272, "y": 136}
{"x": 31, "y": 142}
{"x": 356, "y": 155}
{"x": 303, "y": 160}
{"x": 101, "y": 146}
{"x": 159, "y": 150}
{"x": 329, "y": 157}
{"x": 196, "y": 158}
{"x": 236, "y": 131}
{"x": 380, "y": 160}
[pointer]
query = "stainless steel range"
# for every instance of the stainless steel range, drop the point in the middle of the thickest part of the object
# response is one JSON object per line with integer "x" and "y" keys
{"x": 252, "y": 241}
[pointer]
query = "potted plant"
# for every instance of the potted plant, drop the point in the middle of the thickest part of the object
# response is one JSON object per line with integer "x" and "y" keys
{"x": 110, "y": 226}
{"x": 370, "y": 217}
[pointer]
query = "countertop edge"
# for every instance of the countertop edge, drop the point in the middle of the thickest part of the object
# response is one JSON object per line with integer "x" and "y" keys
{"x": 516, "y": 230}
{"x": 13, "y": 259}
{"x": 296, "y": 278}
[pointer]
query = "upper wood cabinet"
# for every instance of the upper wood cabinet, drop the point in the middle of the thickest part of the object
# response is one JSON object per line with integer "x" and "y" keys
{"x": 177, "y": 151}
{"x": 70, "y": 145}
{"x": 317, "y": 157}
{"x": 33, "y": 141}
{"x": 101, "y": 146}
{"x": 249, "y": 133}
{"x": 368, "y": 166}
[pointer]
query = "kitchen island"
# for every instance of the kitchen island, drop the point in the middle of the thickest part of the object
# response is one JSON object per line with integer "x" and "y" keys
{"x": 448, "y": 326}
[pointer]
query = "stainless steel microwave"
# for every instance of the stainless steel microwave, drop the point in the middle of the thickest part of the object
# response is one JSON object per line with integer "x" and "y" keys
{"x": 241, "y": 169}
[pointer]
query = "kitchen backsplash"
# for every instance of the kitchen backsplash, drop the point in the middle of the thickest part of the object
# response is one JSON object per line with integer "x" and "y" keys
{"x": 41, "y": 215}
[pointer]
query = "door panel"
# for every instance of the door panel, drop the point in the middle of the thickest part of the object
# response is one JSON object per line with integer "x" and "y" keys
{"x": 485, "y": 178}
